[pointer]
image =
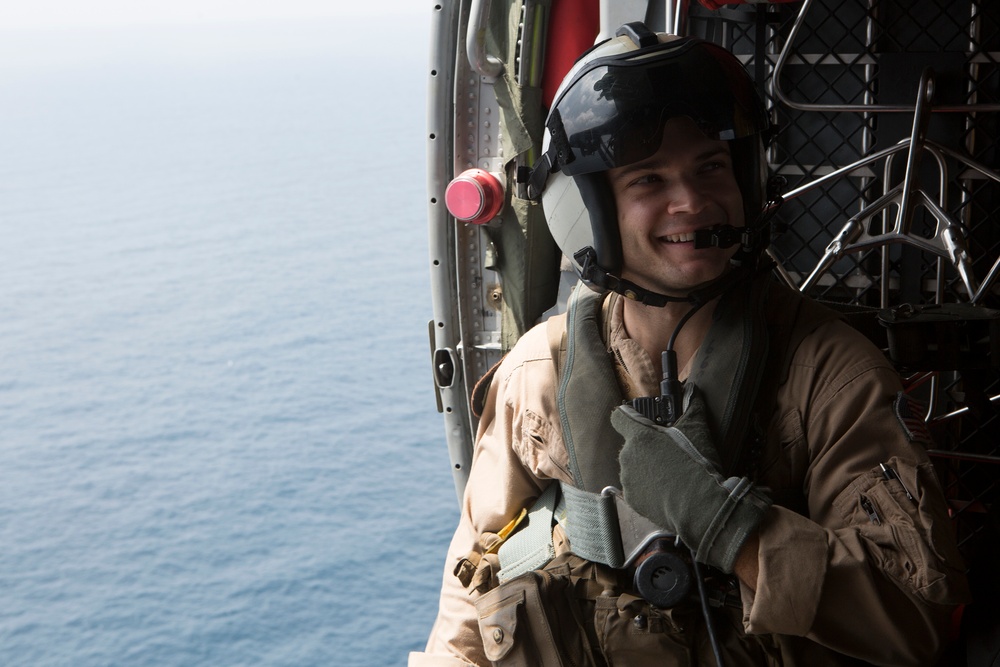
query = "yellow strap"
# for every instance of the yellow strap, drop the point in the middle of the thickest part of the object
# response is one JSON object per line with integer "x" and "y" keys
{"x": 505, "y": 532}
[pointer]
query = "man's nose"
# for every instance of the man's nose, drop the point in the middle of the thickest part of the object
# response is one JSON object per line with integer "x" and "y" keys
{"x": 686, "y": 196}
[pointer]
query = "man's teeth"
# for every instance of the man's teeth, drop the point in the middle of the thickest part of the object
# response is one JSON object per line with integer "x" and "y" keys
{"x": 680, "y": 238}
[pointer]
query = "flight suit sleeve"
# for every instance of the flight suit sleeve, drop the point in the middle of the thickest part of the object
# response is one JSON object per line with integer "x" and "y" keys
{"x": 518, "y": 452}
{"x": 872, "y": 571}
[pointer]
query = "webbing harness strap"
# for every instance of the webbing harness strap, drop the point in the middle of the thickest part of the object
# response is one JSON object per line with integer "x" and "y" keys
{"x": 592, "y": 526}
{"x": 530, "y": 548}
{"x": 600, "y": 527}
{"x": 588, "y": 393}
{"x": 603, "y": 529}
{"x": 729, "y": 366}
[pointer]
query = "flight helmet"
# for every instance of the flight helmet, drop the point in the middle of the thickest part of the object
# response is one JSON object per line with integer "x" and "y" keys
{"x": 609, "y": 112}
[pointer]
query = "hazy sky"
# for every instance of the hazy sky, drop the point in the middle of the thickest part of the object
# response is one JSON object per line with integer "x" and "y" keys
{"x": 30, "y": 14}
{"x": 78, "y": 33}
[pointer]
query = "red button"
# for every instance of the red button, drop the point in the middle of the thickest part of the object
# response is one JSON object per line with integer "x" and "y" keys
{"x": 475, "y": 196}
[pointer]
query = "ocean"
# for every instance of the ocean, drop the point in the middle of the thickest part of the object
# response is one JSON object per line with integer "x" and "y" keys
{"x": 218, "y": 436}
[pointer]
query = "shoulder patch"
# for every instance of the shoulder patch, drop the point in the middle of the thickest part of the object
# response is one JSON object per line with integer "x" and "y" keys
{"x": 910, "y": 413}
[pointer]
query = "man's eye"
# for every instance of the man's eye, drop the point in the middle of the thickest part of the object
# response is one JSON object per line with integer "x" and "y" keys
{"x": 715, "y": 165}
{"x": 645, "y": 179}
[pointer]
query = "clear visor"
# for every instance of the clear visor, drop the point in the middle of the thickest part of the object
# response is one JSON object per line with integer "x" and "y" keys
{"x": 613, "y": 113}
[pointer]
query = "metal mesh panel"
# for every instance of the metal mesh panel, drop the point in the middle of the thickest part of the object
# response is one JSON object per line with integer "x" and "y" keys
{"x": 860, "y": 54}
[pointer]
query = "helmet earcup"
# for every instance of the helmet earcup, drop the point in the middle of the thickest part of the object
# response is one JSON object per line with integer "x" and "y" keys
{"x": 750, "y": 169}
{"x": 595, "y": 190}
{"x": 567, "y": 215}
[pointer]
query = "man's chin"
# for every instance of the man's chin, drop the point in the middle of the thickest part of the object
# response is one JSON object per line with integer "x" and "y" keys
{"x": 682, "y": 286}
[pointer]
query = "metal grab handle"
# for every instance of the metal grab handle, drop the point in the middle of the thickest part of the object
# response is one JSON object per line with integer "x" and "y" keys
{"x": 783, "y": 97}
{"x": 475, "y": 41}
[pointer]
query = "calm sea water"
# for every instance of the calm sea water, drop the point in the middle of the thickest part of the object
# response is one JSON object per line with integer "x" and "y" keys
{"x": 218, "y": 435}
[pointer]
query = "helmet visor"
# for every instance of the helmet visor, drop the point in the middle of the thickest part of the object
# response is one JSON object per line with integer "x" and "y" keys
{"x": 613, "y": 113}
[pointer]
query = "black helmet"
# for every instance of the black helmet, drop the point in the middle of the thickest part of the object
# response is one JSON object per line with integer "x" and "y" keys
{"x": 610, "y": 111}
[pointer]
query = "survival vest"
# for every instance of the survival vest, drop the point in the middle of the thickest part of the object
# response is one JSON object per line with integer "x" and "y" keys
{"x": 738, "y": 368}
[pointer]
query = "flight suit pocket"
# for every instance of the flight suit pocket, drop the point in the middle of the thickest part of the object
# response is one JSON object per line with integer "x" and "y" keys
{"x": 498, "y": 622}
{"x": 518, "y": 630}
{"x": 540, "y": 447}
{"x": 900, "y": 510}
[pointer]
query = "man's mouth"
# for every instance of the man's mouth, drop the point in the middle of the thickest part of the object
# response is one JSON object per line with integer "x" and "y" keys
{"x": 678, "y": 238}
{"x": 685, "y": 237}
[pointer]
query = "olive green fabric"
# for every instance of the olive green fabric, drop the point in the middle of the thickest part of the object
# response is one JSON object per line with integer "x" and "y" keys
{"x": 527, "y": 258}
{"x": 588, "y": 392}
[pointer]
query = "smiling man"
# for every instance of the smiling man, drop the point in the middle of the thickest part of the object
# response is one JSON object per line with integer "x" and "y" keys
{"x": 694, "y": 465}
{"x": 686, "y": 186}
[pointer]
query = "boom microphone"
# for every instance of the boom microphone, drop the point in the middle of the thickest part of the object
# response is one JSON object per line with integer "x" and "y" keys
{"x": 723, "y": 236}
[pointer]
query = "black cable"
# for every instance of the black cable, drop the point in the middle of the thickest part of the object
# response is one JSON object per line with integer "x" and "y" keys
{"x": 703, "y": 596}
{"x": 670, "y": 385}
{"x": 671, "y": 389}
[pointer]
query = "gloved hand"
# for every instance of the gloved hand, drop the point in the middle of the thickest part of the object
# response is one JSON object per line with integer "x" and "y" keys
{"x": 671, "y": 476}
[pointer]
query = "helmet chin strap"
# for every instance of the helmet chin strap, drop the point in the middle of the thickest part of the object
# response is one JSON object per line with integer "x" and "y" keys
{"x": 591, "y": 272}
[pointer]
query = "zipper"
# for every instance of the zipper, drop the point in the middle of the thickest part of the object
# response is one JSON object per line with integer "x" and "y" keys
{"x": 869, "y": 508}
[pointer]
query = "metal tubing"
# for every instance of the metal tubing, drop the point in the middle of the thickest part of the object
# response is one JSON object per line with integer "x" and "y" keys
{"x": 677, "y": 16}
{"x": 781, "y": 96}
{"x": 475, "y": 42}
{"x": 445, "y": 327}
{"x": 987, "y": 284}
{"x": 962, "y": 456}
{"x": 959, "y": 412}
{"x": 925, "y": 94}
{"x": 854, "y": 166}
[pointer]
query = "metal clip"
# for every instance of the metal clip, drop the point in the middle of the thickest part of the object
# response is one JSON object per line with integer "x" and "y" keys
{"x": 889, "y": 473}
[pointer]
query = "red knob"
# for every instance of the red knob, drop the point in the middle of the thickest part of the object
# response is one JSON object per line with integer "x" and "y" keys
{"x": 474, "y": 196}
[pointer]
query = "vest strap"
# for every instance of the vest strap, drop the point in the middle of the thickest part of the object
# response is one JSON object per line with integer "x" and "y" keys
{"x": 592, "y": 444}
{"x": 600, "y": 527}
{"x": 530, "y": 548}
{"x": 592, "y": 526}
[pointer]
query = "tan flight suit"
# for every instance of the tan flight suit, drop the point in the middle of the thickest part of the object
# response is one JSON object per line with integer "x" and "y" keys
{"x": 849, "y": 565}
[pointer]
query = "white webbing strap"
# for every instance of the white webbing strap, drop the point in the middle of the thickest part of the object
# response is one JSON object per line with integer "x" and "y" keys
{"x": 530, "y": 547}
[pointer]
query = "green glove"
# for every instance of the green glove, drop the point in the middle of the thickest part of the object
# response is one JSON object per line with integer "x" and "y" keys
{"x": 671, "y": 476}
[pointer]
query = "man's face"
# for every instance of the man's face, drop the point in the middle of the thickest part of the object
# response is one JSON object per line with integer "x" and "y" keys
{"x": 687, "y": 185}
